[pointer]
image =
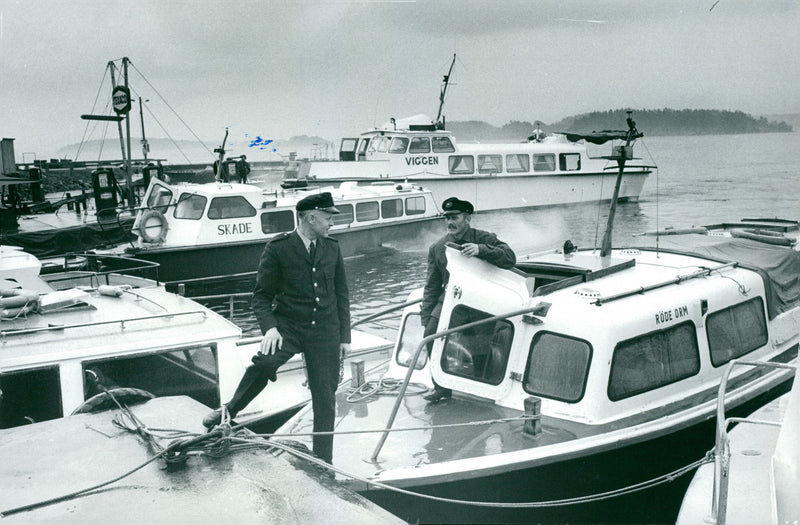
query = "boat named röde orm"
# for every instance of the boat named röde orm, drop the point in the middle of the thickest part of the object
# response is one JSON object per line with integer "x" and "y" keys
{"x": 204, "y": 230}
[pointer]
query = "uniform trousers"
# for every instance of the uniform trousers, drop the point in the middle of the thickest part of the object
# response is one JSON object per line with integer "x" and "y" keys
{"x": 322, "y": 362}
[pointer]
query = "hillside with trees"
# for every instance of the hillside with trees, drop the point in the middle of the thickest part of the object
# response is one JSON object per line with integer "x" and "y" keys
{"x": 651, "y": 122}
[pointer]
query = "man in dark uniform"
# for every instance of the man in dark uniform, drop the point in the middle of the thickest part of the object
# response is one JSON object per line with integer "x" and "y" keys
{"x": 302, "y": 304}
{"x": 474, "y": 243}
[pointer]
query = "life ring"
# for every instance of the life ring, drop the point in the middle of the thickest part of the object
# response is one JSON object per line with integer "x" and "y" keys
{"x": 105, "y": 400}
{"x": 153, "y": 226}
{"x": 765, "y": 236}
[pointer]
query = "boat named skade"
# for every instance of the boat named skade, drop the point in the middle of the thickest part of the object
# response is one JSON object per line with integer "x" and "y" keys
{"x": 570, "y": 369}
{"x": 220, "y": 228}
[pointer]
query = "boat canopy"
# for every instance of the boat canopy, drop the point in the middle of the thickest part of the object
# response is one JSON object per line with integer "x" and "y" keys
{"x": 778, "y": 266}
{"x": 597, "y": 137}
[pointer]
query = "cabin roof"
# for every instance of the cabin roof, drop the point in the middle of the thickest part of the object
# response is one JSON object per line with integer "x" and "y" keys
{"x": 99, "y": 325}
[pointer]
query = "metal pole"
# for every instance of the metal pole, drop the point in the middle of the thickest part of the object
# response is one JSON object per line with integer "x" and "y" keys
{"x": 119, "y": 123}
{"x": 128, "y": 178}
{"x": 145, "y": 146}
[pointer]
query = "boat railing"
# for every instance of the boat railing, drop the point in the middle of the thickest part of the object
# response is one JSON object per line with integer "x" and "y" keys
{"x": 532, "y": 310}
{"x": 95, "y": 269}
{"x": 722, "y": 450}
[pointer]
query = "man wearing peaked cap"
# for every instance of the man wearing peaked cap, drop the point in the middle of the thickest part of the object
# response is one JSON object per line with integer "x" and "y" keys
{"x": 474, "y": 243}
{"x": 302, "y": 304}
{"x": 317, "y": 201}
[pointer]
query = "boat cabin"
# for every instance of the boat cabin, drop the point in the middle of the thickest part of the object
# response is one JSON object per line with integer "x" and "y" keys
{"x": 202, "y": 214}
{"x": 601, "y": 341}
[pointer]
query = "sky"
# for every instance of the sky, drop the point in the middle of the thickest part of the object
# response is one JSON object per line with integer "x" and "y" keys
{"x": 332, "y": 68}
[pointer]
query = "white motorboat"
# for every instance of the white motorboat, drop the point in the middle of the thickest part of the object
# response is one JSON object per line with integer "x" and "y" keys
{"x": 756, "y": 469}
{"x": 577, "y": 377}
{"x": 204, "y": 230}
{"x": 70, "y": 338}
{"x": 544, "y": 170}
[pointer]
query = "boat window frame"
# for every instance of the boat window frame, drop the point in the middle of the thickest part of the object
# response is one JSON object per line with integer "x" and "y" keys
{"x": 525, "y": 166}
{"x": 370, "y": 206}
{"x": 406, "y": 346}
{"x": 210, "y": 377}
{"x": 489, "y": 158}
{"x": 156, "y": 196}
{"x": 455, "y": 160}
{"x": 544, "y": 162}
{"x": 530, "y": 370}
{"x": 415, "y": 210}
{"x": 276, "y": 213}
{"x": 251, "y": 210}
{"x": 654, "y": 386}
{"x": 564, "y": 161}
{"x": 438, "y": 145}
{"x": 346, "y": 214}
{"x": 463, "y": 341}
{"x": 46, "y": 406}
{"x": 737, "y": 326}
{"x": 418, "y": 150}
{"x": 394, "y": 206}
{"x": 396, "y": 149}
{"x": 190, "y": 197}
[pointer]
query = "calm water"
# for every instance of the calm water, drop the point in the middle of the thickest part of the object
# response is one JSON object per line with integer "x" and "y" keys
{"x": 700, "y": 180}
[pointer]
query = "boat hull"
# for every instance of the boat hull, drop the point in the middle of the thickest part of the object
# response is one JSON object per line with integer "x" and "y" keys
{"x": 521, "y": 191}
{"x": 212, "y": 260}
{"x": 590, "y": 475}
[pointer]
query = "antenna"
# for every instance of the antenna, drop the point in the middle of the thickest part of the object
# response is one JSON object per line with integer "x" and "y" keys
{"x": 446, "y": 80}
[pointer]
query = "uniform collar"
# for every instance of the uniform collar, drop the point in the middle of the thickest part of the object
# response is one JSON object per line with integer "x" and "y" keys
{"x": 306, "y": 240}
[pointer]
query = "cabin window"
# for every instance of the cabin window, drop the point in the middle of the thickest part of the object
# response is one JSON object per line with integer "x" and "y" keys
{"x": 490, "y": 163}
{"x": 442, "y": 145}
{"x": 366, "y": 211}
{"x": 736, "y": 331}
{"x": 481, "y": 352}
{"x": 277, "y": 221}
{"x": 190, "y": 371}
{"x": 345, "y": 215}
{"x": 518, "y": 163}
{"x": 190, "y": 206}
{"x": 379, "y": 144}
{"x": 399, "y": 145}
{"x": 391, "y": 208}
{"x": 544, "y": 162}
{"x": 30, "y": 396}
{"x": 420, "y": 145}
{"x": 569, "y": 161}
{"x": 558, "y": 367}
{"x": 230, "y": 208}
{"x": 362, "y": 148}
{"x": 653, "y": 360}
{"x": 159, "y": 198}
{"x": 348, "y": 145}
{"x": 415, "y": 205}
{"x": 411, "y": 334}
{"x": 461, "y": 164}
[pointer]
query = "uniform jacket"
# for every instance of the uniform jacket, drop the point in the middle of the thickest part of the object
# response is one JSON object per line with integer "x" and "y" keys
{"x": 491, "y": 249}
{"x": 291, "y": 290}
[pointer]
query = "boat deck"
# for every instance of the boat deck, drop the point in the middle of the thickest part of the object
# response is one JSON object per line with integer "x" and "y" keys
{"x": 55, "y": 458}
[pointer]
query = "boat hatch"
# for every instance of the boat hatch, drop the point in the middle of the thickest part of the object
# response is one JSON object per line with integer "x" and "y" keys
{"x": 556, "y": 271}
{"x": 34, "y": 395}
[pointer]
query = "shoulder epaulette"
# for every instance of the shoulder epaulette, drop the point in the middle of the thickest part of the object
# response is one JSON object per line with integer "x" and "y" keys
{"x": 280, "y": 237}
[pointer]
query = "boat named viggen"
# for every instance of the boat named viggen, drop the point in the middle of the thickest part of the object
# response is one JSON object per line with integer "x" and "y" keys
{"x": 577, "y": 375}
{"x": 543, "y": 170}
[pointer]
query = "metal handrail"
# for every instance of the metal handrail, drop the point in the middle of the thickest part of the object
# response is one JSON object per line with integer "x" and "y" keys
{"x": 137, "y": 265}
{"x": 719, "y": 503}
{"x": 7, "y": 333}
{"x": 412, "y": 362}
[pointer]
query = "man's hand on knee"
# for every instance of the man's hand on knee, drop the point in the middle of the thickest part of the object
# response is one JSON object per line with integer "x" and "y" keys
{"x": 271, "y": 341}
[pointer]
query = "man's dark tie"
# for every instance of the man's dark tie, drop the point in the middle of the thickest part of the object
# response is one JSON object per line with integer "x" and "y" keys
{"x": 312, "y": 250}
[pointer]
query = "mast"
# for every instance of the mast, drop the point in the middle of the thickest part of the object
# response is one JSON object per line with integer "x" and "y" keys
{"x": 112, "y": 70}
{"x": 221, "y": 151}
{"x": 145, "y": 145}
{"x": 621, "y": 154}
{"x": 442, "y": 93}
{"x": 128, "y": 178}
